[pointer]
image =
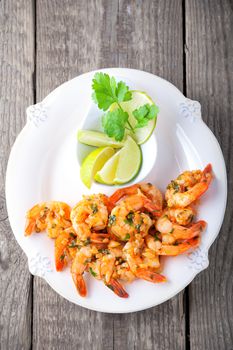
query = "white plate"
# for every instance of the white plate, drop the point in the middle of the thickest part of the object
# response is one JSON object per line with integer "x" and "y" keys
{"x": 43, "y": 166}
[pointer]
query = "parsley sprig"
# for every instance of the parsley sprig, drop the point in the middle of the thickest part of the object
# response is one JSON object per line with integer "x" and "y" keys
{"x": 107, "y": 91}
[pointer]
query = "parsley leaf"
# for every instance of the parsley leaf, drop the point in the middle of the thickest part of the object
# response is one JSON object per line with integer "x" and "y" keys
{"x": 94, "y": 208}
{"x": 111, "y": 220}
{"x": 145, "y": 113}
{"x": 107, "y": 91}
{"x": 129, "y": 218}
{"x": 87, "y": 241}
{"x": 114, "y": 123}
{"x": 127, "y": 236}
{"x": 92, "y": 272}
{"x": 122, "y": 92}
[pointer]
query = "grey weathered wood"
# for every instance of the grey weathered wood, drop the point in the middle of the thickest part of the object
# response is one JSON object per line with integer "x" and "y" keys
{"x": 16, "y": 92}
{"x": 74, "y": 37}
{"x": 209, "y": 58}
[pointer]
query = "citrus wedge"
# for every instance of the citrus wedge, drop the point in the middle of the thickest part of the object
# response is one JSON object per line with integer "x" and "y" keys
{"x": 139, "y": 99}
{"x": 93, "y": 163}
{"x": 97, "y": 139}
{"x": 107, "y": 174}
{"x": 129, "y": 163}
{"x": 123, "y": 166}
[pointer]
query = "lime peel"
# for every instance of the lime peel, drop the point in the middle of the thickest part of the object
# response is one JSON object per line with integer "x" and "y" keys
{"x": 93, "y": 163}
{"x": 107, "y": 174}
{"x": 130, "y": 161}
{"x": 97, "y": 139}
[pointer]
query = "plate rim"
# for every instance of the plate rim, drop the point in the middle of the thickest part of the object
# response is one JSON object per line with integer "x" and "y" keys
{"x": 19, "y": 139}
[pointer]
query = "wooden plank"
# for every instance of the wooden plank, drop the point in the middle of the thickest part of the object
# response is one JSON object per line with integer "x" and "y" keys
{"x": 74, "y": 37}
{"x": 16, "y": 93}
{"x": 209, "y": 57}
{"x": 150, "y": 38}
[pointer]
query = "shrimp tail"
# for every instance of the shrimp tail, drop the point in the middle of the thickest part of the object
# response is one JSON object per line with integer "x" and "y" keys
{"x": 206, "y": 179}
{"x": 61, "y": 244}
{"x": 150, "y": 275}
{"x": 80, "y": 284}
{"x": 117, "y": 288}
{"x": 192, "y": 231}
{"x": 108, "y": 203}
{"x": 207, "y": 174}
{"x": 173, "y": 250}
{"x": 121, "y": 192}
{"x": 198, "y": 227}
{"x": 153, "y": 209}
{"x": 29, "y": 227}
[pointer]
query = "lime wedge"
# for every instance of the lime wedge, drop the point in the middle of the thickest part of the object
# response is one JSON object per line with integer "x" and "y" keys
{"x": 123, "y": 166}
{"x": 107, "y": 174}
{"x": 139, "y": 99}
{"x": 97, "y": 139}
{"x": 130, "y": 160}
{"x": 93, "y": 163}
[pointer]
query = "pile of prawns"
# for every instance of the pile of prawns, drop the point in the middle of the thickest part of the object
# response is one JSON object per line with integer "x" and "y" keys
{"x": 120, "y": 238}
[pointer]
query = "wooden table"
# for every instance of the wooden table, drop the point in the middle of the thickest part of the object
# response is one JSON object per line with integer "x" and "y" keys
{"x": 46, "y": 42}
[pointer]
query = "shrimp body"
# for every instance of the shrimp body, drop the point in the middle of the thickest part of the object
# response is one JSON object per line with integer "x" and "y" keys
{"x": 125, "y": 223}
{"x": 188, "y": 187}
{"x": 62, "y": 242}
{"x": 171, "y": 232}
{"x": 143, "y": 262}
{"x": 180, "y": 248}
{"x": 53, "y": 217}
{"x": 122, "y": 237}
{"x": 104, "y": 268}
{"x": 123, "y": 272}
{"x": 89, "y": 214}
{"x": 79, "y": 264}
{"x": 153, "y": 195}
{"x": 181, "y": 216}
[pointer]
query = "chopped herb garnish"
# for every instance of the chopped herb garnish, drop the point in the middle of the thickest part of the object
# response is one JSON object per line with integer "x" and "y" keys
{"x": 129, "y": 218}
{"x": 92, "y": 272}
{"x": 175, "y": 186}
{"x": 127, "y": 236}
{"x": 104, "y": 251}
{"x": 73, "y": 244}
{"x": 138, "y": 226}
{"x": 86, "y": 242}
{"x": 72, "y": 235}
{"x": 94, "y": 208}
{"x": 111, "y": 220}
{"x": 62, "y": 257}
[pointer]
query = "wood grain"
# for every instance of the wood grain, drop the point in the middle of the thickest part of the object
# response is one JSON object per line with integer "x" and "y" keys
{"x": 209, "y": 62}
{"x": 16, "y": 92}
{"x": 74, "y": 37}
